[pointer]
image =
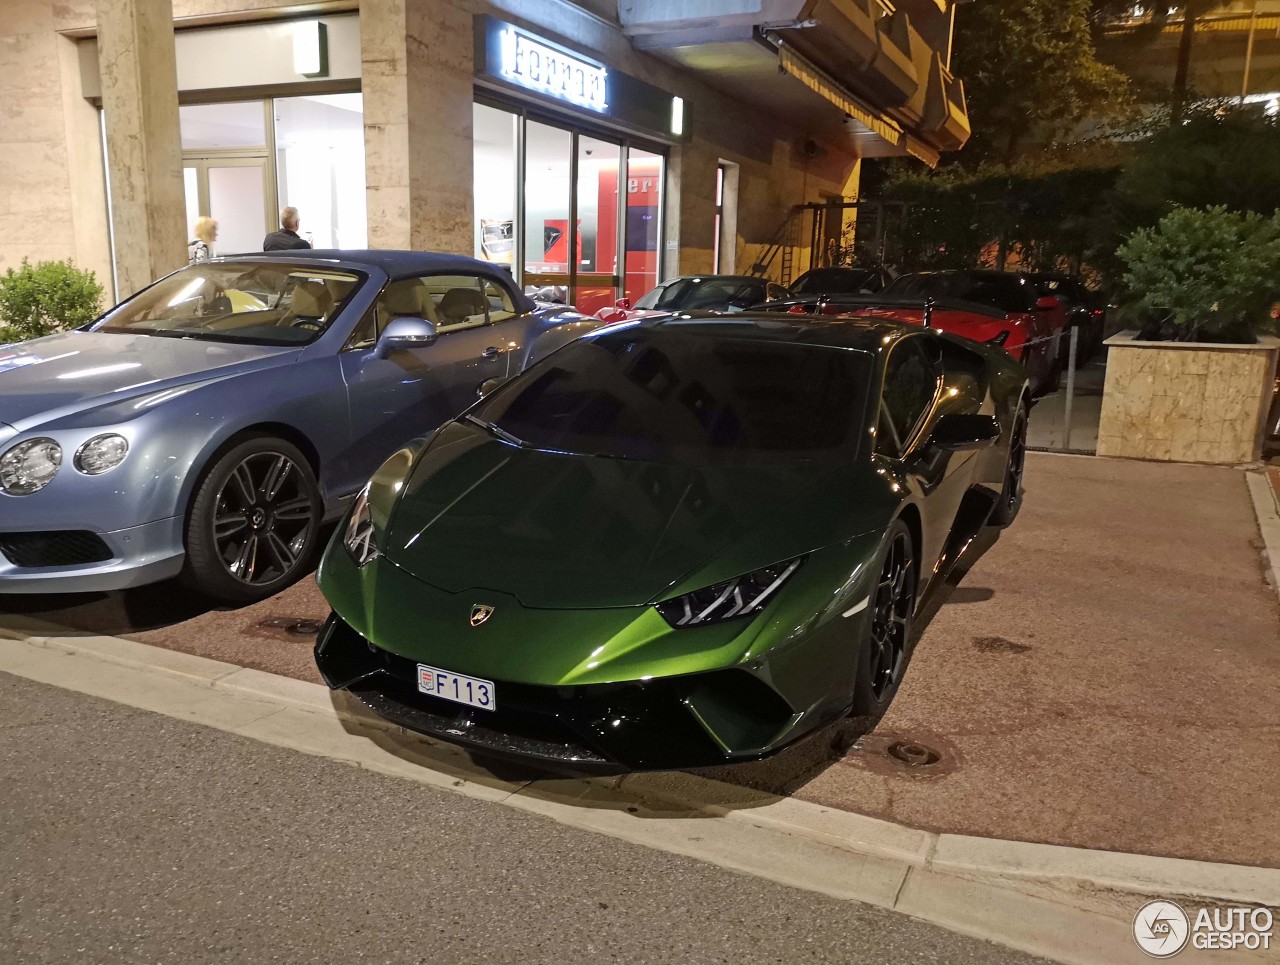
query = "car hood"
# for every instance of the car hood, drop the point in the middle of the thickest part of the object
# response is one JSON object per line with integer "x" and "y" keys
{"x": 52, "y": 376}
{"x": 557, "y": 530}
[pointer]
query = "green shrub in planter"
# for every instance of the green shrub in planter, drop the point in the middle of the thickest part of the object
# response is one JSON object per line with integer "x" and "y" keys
{"x": 1210, "y": 273}
{"x": 48, "y": 297}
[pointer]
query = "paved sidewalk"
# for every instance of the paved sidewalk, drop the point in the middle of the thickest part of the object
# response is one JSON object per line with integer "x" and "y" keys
{"x": 1103, "y": 678}
{"x": 1046, "y": 428}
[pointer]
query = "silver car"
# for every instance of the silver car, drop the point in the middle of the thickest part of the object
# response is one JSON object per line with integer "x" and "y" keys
{"x": 208, "y": 425}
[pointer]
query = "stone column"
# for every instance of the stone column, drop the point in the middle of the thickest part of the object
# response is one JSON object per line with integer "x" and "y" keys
{"x": 417, "y": 65}
{"x": 144, "y": 148}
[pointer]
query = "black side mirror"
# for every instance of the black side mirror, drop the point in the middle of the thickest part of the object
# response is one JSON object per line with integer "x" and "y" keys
{"x": 960, "y": 432}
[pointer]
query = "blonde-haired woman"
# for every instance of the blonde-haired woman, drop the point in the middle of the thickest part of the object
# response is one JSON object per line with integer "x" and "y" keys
{"x": 206, "y": 232}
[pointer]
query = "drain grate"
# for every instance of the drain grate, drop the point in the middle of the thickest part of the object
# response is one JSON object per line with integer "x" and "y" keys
{"x": 293, "y": 626}
{"x": 913, "y": 753}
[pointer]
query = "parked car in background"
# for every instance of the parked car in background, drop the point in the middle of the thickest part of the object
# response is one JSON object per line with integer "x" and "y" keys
{"x": 680, "y": 542}
{"x": 208, "y": 425}
{"x": 697, "y": 293}
{"x": 841, "y": 281}
{"x": 996, "y": 308}
{"x": 1085, "y": 310}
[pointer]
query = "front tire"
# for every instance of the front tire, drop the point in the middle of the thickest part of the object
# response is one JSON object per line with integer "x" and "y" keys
{"x": 254, "y": 522}
{"x": 883, "y": 656}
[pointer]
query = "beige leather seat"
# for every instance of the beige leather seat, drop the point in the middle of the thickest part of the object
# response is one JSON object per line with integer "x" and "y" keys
{"x": 311, "y": 299}
{"x": 406, "y": 299}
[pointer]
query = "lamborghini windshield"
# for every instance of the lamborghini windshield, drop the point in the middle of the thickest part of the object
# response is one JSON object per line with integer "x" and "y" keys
{"x": 664, "y": 395}
{"x": 262, "y": 304}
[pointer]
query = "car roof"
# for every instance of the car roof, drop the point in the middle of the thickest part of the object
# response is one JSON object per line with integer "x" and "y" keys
{"x": 395, "y": 263}
{"x": 838, "y": 270}
{"x": 971, "y": 272}
{"x": 714, "y": 277}
{"x": 866, "y": 333}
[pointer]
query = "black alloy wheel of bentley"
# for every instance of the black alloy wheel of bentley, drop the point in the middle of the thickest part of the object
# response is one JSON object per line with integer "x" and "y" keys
{"x": 254, "y": 520}
{"x": 263, "y": 520}
{"x": 893, "y": 605}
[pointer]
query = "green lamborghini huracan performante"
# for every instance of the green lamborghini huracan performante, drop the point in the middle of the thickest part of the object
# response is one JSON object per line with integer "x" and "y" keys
{"x": 675, "y": 542}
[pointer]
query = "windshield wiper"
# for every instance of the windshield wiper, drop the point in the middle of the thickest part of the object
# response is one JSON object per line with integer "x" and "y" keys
{"x": 498, "y": 431}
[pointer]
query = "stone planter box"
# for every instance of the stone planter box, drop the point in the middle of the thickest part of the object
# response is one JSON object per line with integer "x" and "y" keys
{"x": 1186, "y": 401}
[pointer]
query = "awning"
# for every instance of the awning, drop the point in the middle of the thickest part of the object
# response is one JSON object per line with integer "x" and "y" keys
{"x": 823, "y": 84}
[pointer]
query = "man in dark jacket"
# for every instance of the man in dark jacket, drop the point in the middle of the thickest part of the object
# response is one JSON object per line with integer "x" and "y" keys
{"x": 286, "y": 238}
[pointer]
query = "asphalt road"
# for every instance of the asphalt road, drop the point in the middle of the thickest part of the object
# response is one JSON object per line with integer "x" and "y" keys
{"x": 129, "y": 837}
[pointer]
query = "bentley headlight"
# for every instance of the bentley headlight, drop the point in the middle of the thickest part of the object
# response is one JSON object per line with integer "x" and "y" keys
{"x": 101, "y": 453}
{"x": 29, "y": 466}
{"x": 360, "y": 538}
{"x": 725, "y": 601}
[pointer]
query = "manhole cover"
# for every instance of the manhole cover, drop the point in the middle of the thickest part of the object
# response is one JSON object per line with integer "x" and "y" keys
{"x": 292, "y": 626}
{"x": 913, "y": 753}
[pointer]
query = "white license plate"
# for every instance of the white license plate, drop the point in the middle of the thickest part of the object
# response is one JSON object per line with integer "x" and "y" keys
{"x": 461, "y": 689}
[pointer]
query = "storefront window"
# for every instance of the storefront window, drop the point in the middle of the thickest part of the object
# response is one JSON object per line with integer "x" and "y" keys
{"x": 223, "y": 127}
{"x": 565, "y": 228}
{"x": 495, "y": 177}
{"x": 319, "y": 158}
{"x": 644, "y": 221}
{"x": 231, "y": 174}
{"x": 546, "y": 211}
{"x": 596, "y": 280}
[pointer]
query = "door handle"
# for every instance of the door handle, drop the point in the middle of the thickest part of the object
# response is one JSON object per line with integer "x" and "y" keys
{"x": 492, "y": 352}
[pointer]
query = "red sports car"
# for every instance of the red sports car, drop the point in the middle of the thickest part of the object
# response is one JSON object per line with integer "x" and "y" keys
{"x": 999, "y": 308}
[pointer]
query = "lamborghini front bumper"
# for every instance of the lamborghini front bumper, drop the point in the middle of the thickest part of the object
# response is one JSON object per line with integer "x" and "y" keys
{"x": 692, "y": 720}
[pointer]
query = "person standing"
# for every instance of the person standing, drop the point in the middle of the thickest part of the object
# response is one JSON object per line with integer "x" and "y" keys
{"x": 286, "y": 239}
{"x": 206, "y": 232}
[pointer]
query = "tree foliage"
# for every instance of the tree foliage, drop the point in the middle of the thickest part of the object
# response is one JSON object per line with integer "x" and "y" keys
{"x": 47, "y": 297}
{"x": 1030, "y": 68}
{"x": 1213, "y": 270}
{"x": 1221, "y": 154}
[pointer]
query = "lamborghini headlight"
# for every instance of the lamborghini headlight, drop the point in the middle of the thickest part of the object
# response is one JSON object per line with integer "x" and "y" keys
{"x": 29, "y": 466}
{"x": 735, "y": 598}
{"x": 360, "y": 538}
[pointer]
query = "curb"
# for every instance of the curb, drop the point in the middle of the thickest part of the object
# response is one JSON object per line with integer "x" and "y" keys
{"x": 1071, "y": 904}
{"x": 1264, "y": 497}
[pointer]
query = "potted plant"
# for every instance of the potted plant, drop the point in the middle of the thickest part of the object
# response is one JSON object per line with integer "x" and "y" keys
{"x": 1193, "y": 381}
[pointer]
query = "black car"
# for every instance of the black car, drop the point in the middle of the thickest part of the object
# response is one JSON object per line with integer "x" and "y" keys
{"x": 1086, "y": 309}
{"x": 841, "y": 281}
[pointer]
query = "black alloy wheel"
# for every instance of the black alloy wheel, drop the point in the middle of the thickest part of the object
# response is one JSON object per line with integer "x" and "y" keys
{"x": 887, "y": 648}
{"x": 254, "y": 522}
{"x": 1011, "y": 495}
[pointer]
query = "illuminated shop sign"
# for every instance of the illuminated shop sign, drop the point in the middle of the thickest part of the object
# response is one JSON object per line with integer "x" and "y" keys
{"x": 511, "y": 58}
{"x": 531, "y": 64}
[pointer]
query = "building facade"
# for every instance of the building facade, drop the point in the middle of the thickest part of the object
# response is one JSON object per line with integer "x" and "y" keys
{"x": 593, "y": 146}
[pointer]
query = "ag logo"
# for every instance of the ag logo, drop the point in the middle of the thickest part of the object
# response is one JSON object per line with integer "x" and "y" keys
{"x": 1161, "y": 929}
{"x": 479, "y": 613}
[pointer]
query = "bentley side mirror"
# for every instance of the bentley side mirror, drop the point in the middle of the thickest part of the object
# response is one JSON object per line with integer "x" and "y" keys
{"x": 406, "y": 332}
{"x": 623, "y": 303}
{"x": 487, "y": 386}
{"x": 1046, "y": 303}
{"x": 962, "y": 432}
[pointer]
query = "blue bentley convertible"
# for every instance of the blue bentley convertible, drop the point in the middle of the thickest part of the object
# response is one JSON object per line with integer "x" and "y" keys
{"x": 208, "y": 425}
